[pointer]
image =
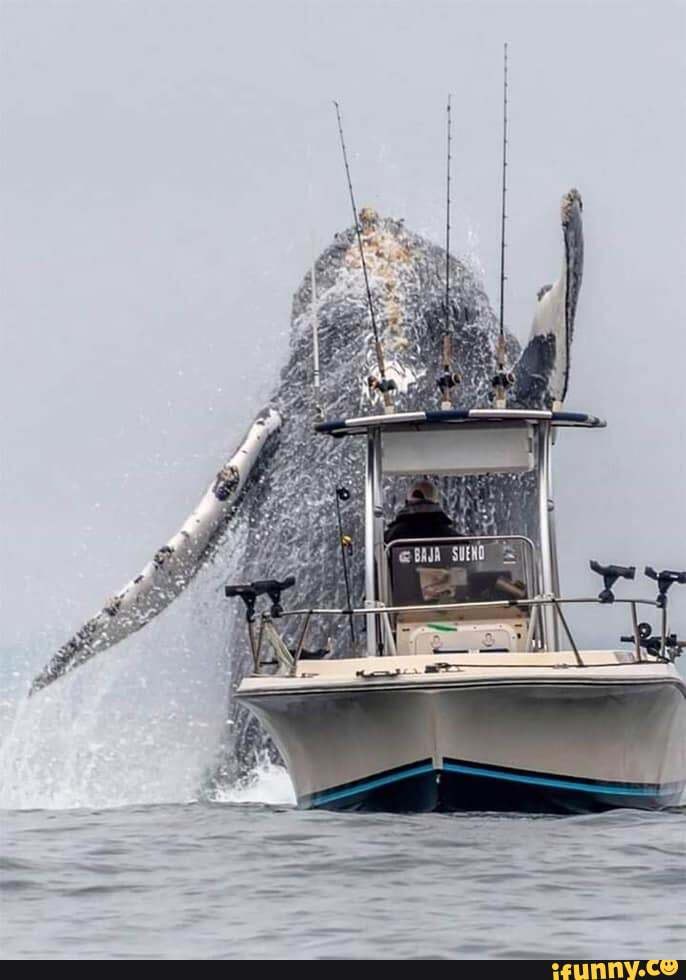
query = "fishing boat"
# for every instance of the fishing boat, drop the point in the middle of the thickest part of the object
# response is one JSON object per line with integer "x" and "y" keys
{"x": 465, "y": 689}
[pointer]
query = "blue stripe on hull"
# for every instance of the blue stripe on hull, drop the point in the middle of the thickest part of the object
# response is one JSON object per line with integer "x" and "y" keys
{"x": 369, "y": 785}
{"x": 555, "y": 782}
{"x": 462, "y": 785}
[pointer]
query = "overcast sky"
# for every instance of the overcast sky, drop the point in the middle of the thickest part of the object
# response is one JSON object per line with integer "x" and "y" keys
{"x": 155, "y": 223}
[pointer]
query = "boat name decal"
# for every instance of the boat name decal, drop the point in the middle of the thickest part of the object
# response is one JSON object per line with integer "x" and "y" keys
{"x": 431, "y": 554}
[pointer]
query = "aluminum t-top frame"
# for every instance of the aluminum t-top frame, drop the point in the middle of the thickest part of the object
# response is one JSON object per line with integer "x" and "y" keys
{"x": 457, "y": 442}
{"x": 357, "y": 426}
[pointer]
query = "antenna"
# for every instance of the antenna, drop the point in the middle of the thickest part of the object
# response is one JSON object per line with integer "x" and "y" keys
{"x": 384, "y": 385}
{"x": 503, "y": 378}
{"x": 448, "y": 379}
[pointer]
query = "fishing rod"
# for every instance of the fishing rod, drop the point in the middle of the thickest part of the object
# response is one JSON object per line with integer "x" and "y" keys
{"x": 383, "y": 384}
{"x": 447, "y": 228}
{"x": 449, "y": 378}
{"x": 319, "y": 412}
{"x": 503, "y": 215}
{"x": 316, "y": 380}
{"x": 502, "y": 379}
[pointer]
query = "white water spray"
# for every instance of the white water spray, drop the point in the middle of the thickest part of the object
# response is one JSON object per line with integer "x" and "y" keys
{"x": 142, "y": 723}
{"x": 268, "y": 783}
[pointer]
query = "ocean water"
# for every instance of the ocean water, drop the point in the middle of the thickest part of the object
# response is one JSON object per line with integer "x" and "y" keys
{"x": 110, "y": 848}
{"x": 248, "y": 876}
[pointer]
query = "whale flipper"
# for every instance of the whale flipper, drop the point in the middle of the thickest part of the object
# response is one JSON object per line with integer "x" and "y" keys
{"x": 542, "y": 371}
{"x": 173, "y": 566}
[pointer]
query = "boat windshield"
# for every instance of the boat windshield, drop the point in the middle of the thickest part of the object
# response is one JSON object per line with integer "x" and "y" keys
{"x": 445, "y": 570}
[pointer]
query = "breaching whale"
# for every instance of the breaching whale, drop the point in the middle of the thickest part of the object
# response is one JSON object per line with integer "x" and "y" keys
{"x": 276, "y": 471}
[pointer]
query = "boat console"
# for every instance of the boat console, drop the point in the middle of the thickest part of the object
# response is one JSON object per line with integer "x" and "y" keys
{"x": 483, "y": 594}
{"x": 458, "y": 443}
{"x": 425, "y": 573}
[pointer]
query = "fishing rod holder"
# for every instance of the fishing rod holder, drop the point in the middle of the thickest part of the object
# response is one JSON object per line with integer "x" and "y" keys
{"x": 610, "y": 574}
{"x": 653, "y": 644}
{"x": 665, "y": 580}
{"x": 250, "y": 593}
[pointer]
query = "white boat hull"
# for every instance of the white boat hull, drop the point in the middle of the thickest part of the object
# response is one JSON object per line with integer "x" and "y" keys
{"x": 505, "y": 736}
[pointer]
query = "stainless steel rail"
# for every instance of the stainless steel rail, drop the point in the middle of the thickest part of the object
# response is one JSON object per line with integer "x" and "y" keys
{"x": 289, "y": 658}
{"x": 380, "y": 610}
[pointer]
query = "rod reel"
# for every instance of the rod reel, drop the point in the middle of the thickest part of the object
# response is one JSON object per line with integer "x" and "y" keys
{"x": 383, "y": 385}
{"x": 501, "y": 382}
{"x": 449, "y": 378}
{"x": 446, "y": 382}
{"x": 503, "y": 379}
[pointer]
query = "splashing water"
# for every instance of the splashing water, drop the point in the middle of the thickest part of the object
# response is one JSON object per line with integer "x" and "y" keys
{"x": 141, "y": 724}
{"x": 267, "y": 783}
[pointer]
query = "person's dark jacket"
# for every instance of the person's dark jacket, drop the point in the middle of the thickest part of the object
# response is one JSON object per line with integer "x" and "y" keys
{"x": 420, "y": 520}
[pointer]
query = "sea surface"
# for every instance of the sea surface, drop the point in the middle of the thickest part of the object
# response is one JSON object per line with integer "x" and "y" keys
{"x": 250, "y": 876}
{"x": 114, "y": 845}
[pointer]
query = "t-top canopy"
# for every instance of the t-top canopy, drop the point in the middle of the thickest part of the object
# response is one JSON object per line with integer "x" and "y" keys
{"x": 457, "y": 416}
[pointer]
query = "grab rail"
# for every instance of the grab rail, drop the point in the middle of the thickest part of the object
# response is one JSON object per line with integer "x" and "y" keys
{"x": 534, "y": 604}
{"x": 289, "y": 657}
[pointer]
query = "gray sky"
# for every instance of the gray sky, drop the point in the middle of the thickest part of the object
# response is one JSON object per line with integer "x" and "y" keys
{"x": 154, "y": 211}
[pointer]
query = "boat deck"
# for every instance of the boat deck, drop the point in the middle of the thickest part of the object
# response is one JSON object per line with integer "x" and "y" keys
{"x": 614, "y": 666}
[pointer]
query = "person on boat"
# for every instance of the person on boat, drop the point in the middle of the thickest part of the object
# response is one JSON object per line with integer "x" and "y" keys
{"x": 422, "y": 516}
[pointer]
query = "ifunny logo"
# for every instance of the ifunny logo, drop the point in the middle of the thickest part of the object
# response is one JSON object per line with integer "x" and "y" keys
{"x": 615, "y": 970}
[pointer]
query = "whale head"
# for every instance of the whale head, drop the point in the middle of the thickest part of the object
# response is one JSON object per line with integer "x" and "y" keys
{"x": 407, "y": 281}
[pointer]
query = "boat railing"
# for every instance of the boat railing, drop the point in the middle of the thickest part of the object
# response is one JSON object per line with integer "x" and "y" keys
{"x": 662, "y": 647}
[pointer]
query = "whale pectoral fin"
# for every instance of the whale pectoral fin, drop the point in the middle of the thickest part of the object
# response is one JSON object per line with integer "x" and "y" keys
{"x": 542, "y": 371}
{"x": 173, "y": 566}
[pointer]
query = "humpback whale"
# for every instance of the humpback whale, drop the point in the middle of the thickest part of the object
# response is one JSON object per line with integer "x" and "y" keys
{"x": 271, "y": 493}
